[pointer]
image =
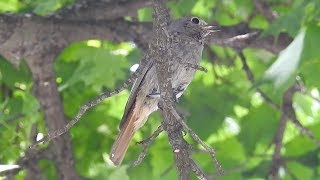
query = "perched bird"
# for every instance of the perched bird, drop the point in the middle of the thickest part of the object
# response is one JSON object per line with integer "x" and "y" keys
{"x": 187, "y": 45}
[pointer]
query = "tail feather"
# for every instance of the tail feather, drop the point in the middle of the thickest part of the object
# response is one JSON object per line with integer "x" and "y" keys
{"x": 122, "y": 142}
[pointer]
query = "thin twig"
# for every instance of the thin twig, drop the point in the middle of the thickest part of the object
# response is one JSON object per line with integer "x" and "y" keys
{"x": 198, "y": 140}
{"x": 303, "y": 129}
{"x": 290, "y": 114}
{"x": 197, "y": 170}
{"x": 236, "y": 168}
{"x": 250, "y": 76}
{"x": 265, "y": 9}
{"x": 194, "y": 66}
{"x": 293, "y": 176}
{"x": 197, "y": 67}
{"x": 84, "y": 108}
{"x": 166, "y": 171}
{"x": 145, "y": 144}
{"x": 11, "y": 119}
{"x": 286, "y": 107}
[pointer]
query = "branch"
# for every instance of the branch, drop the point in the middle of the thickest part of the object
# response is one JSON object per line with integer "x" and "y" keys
{"x": 84, "y": 108}
{"x": 290, "y": 112}
{"x": 277, "y": 160}
{"x": 264, "y": 8}
{"x": 31, "y": 157}
{"x": 197, "y": 170}
{"x": 250, "y": 77}
{"x": 166, "y": 171}
{"x": 46, "y": 91}
{"x": 241, "y": 36}
{"x": 172, "y": 122}
{"x": 11, "y": 119}
{"x": 158, "y": 50}
{"x": 22, "y": 37}
{"x": 101, "y": 10}
{"x": 198, "y": 140}
{"x": 145, "y": 144}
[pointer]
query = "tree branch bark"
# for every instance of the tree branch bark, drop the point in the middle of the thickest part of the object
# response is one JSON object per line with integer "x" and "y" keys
{"x": 277, "y": 160}
{"x": 159, "y": 53}
{"x": 45, "y": 89}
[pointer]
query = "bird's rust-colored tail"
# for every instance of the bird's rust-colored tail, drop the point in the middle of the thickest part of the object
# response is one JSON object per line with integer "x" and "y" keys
{"x": 120, "y": 146}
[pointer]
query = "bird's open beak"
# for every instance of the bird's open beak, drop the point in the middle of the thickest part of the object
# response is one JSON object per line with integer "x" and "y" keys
{"x": 211, "y": 28}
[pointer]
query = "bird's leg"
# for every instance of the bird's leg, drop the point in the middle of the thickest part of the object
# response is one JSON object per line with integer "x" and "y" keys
{"x": 193, "y": 66}
{"x": 197, "y": 67}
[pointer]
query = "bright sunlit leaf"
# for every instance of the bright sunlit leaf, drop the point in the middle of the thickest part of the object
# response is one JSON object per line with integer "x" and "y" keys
{"x": 281, "y": 74}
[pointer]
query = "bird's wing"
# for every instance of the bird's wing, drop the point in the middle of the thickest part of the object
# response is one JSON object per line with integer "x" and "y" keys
{"x": 134, "y": 91}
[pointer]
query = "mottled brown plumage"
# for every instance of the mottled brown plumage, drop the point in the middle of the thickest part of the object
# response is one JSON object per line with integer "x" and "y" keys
{"x": 188, "y": 35}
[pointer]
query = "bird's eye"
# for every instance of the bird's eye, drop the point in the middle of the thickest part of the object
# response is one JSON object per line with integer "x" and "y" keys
{"x": 195, "y": 20}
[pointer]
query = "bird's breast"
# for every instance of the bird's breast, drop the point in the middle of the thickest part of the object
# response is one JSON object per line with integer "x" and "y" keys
{"x": 187, "y": 56}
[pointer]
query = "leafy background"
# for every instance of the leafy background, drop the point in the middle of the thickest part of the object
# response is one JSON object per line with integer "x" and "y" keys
{"x": 219, "y": 105}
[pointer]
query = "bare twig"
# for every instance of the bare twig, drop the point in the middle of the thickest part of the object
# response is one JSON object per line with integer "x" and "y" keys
{"x": 252, "y": 80}
{"x": 145, "y": 144}
{"x": 236, "y": 168}
{"x": 90, "y": 104}
{"x": 264, "y": 8}
{"x": 31, "y": 156}
{"x": 277, "y": 160}
{"x": 289, "y": 114}
{"x": 197, "y": 170}
{"x": 197, "y": 67}
{"x": 303, "y": 129}
{"x": 194, "y": 66}
{"x": 293, "y": 176}
{"x": 101, "y": 10}
{"x": 198, "y": 140}
{"x": 11, "y": 119}
{"x": 166, "y": 171}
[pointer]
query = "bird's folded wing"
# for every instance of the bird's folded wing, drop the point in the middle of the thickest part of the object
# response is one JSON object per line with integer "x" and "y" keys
{"x": 134, "y": 91}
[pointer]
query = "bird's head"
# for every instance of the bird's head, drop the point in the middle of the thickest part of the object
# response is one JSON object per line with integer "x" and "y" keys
{"x": 192, "y": 27}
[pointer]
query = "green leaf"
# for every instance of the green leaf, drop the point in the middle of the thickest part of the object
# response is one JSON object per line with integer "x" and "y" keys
{"x": 258, "y": 127}
{"x": 299, "y": 171}
{"x": 260, "y": 170}
{"x": 162, "y": 162}
{"x": 120, "y": 173}
{"x": 299, "y": 145}
{"x": 259, "y": 21}
{"x": 312, "y": 37}
{"x": 97, "y": 67}
{"x": 203, "y": 8}
{"x": 145, "y": 14}
{"x": 181, "y": 7}
{"x": 311, "y": 57}
{"x": 283, "y": 71}
{"x": 232, "y": 151}
{"x": 14, "y": 76}
{"x": 305, "y": 104}
{"x": 289, "y": 22}
{"x": 10, "y": 6}
{"x": 41, "y": 7}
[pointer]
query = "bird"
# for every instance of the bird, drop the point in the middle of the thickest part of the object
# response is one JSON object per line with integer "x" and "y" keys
{"x": 188, "y": 35}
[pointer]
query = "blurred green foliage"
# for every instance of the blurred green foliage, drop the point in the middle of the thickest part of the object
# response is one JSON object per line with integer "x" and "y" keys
{"x": 219, "y": 104}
